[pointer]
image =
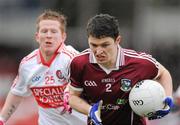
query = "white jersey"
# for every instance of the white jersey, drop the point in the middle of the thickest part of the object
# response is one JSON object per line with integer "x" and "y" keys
{"x": 47, "y": 81}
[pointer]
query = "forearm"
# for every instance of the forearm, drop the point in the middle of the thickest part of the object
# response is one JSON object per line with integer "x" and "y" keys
{"x": 11, "y": 104}
{"x": 79, "y": 104}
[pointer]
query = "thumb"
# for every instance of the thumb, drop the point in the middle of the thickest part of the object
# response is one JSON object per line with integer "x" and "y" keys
{"x": 98, "y": 113}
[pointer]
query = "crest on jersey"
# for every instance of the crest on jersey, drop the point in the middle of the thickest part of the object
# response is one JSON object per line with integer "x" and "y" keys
{"x": 125, "y": 85}
{"x": 59, "y": 74}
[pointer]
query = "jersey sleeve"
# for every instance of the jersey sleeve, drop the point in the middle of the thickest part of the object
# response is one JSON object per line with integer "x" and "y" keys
{"x": 149, "y": 68}
{"x": 72, "y": 52}
{"x": 72, "y": 49}
{"x": 20, "y": 86}
{"x": 75, "y": 76}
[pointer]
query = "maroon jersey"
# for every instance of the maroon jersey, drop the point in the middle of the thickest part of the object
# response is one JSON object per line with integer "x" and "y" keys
{"x": 112, "y": 86}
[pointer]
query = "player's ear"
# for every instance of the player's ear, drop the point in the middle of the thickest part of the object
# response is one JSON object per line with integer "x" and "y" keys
{"x": 64, "y": 35}
{"x": 37, "y": 37}
{"x": 118, "y": 39}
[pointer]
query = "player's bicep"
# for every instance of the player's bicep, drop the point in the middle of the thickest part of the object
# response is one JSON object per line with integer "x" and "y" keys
{"x": 161, "y": 69}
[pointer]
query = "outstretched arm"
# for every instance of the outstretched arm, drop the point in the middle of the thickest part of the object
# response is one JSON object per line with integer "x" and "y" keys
{"x": 165, "y": 79}
{"x": 11, "y": 104}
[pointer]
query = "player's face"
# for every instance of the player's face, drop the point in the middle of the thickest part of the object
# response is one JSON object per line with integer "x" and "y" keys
{"x": 104, "y": 49}
{"x": 50, "y": 36}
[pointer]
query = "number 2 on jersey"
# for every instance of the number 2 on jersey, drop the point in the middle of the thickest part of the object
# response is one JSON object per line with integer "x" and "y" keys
{"x": 108, "y": 87}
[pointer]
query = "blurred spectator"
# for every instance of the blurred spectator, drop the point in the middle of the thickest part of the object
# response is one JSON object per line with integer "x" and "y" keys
{"x": 177, "y": 98}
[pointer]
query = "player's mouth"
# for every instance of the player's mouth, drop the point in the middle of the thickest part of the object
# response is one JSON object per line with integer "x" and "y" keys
{"x": 47, "y": 43}
{"x": 100, "y": 58}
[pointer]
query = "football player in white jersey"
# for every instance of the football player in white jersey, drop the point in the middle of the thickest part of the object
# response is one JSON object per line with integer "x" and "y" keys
{"x": 44, "y": 74}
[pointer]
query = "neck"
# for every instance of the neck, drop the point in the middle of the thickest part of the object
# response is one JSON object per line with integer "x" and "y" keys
{"x": 109, "y": 65}
{"x": 47, "y": 56}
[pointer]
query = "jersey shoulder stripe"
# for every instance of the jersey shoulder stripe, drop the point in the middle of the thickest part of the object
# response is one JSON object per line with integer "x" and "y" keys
{"x": 29, "y": 57}
{"x": 70, "y": 51}
{"x": 85, "y": 52}
{"x": 141, "y": 55}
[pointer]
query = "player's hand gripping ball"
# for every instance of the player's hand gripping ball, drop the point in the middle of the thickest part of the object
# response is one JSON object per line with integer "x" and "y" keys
{"x": 148, "y": 99}
{"x": 163, "y": 112}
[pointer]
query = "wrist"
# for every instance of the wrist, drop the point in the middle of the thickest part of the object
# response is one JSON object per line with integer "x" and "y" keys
{"x": 169, "y": 96}
{"x": 89, "y": 110}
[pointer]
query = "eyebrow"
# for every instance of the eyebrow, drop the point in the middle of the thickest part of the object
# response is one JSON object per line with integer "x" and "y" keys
{"x": 101, "y": 43}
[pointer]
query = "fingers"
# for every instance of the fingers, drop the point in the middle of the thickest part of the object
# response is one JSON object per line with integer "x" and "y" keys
{"x": 160, "y": 113}
{"x": 63, "y": 111}
{"x": 66, "y": 108}
{"x": 169, "y": 101}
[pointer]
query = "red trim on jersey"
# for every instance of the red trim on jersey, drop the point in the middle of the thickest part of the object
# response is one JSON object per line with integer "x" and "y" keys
{"x": 69, "y": 53}
{"x": 49, "y": 62}
{"x": 28, "y": 57}
{"x": 58, "y": 50}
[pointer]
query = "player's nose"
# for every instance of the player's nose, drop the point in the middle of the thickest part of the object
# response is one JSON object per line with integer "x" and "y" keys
{"x": 99, "y": 50}
{"x": 49, "y": 34}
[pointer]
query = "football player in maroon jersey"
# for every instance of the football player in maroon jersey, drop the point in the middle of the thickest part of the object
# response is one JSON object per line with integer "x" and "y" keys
{"x": 106, "y": 72}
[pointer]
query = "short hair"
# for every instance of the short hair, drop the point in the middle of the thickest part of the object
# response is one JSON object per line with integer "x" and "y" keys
{"x": 53, "y": 15}
{"x": 103, "y": 25}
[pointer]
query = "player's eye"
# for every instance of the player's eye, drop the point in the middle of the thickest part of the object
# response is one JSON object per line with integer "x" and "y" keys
{"x": 44, "y": 31}
{"x": 54, "y": 31}
{"x": 93, "y": 45}
{"x": 105, "y": 45}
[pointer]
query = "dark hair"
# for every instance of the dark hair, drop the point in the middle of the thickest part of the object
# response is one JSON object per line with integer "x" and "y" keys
{"x": 53, "y": 15}
{"x": 103, "y": 25}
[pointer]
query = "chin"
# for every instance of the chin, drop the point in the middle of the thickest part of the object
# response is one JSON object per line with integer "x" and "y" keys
{"x": 49, "y": 52}
{"x": 102, "y": 62}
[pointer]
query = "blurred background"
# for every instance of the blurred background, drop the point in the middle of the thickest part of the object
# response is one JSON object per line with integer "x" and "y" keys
{"x": 152, "y": 26}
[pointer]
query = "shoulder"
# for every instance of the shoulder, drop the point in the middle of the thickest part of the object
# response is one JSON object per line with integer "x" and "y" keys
{"x": 81, "y": 60}
{"x": 69, "y": 51}
{"x": 140, "y": 57}
{"x": 25, "y": 66}
{"x": 29, "y": 58}
{"x": 82, "y": 57}
{"x": 144, "y": 65}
